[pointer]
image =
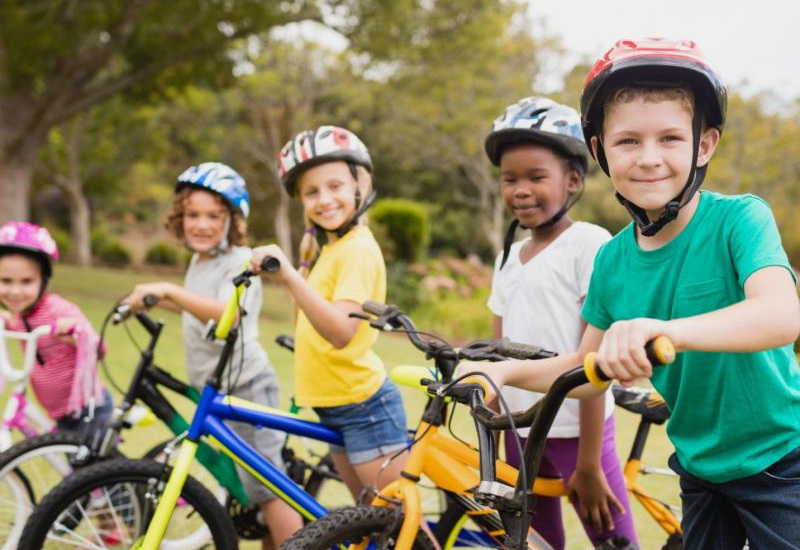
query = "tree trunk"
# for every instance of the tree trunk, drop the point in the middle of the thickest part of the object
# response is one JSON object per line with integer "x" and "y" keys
{"x": 16, "y": 171}
{"x": 79, "y": 221}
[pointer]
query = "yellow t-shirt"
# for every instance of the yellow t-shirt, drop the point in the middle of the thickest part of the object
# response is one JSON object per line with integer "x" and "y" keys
{"x": 351, "y": 268}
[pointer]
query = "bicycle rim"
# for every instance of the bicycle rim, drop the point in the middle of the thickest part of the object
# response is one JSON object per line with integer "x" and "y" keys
{"x": 24, "y": 480}
{"x": 109, "y": 505}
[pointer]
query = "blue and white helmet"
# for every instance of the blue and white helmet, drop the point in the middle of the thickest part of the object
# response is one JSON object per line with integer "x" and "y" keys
{"x": 221, "y": 179}
{"x": 538, "y": 120}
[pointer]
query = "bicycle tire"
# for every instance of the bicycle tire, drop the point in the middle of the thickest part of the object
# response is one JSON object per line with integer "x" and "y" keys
{"x": 351, "y": 525}
{"x": 17, "y": 462}
{"x": 131, "y": 483}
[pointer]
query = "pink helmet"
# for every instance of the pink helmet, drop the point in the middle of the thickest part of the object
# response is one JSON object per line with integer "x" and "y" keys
{"x": 29, "y": 237}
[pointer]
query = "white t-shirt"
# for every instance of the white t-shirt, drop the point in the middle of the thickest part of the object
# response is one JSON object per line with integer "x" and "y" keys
{"x": 540, "y": 303}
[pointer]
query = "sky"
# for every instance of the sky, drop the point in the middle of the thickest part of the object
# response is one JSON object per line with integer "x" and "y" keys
{"x": 757, "y": 42}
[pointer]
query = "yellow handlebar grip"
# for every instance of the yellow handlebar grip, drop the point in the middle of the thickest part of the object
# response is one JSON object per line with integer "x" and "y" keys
{"x": 593, "y": 372}
{"x": 663, "y": 351}
{"x": 487, "y": 389}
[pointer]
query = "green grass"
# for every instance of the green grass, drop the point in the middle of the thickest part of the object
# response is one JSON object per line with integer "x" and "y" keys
{"x": 96, "y": 289}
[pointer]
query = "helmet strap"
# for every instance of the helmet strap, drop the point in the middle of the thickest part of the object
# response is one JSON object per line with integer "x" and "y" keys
{"x": 697, "y": 174}
{"x": 361, "y": 206}
{"x": 564, "y": 209}
{"x": 223, "y": 244}
{"x": 509, "y": 240}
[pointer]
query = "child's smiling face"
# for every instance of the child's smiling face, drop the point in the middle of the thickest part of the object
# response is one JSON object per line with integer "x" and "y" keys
{"x": 328, "y": 194}
{"x": 20, "y": 282}
{"x": 648, "y": 145}
{"x": 204, "y": 218}
{"x": 535, "y": 183}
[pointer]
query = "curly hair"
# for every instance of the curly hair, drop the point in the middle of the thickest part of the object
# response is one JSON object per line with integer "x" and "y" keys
{"x": 237, "y": 234}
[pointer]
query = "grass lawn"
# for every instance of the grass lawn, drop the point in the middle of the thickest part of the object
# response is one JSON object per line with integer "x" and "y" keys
{"x": 96, "y": 290}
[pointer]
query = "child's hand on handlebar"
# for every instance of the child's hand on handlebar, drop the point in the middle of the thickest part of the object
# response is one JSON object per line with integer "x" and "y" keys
{"x": 273, "y": 250}
{"x": 622, "y": 355}
{"x": 491, "y": 370}
{"x": 64, "y": 328}
{"x": 136, "y": 299}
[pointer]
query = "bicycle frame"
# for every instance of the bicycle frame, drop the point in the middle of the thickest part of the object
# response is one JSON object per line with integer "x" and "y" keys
{"x": 652, "y": 412}
{"x": 18, "y": 413}
{"x": 449, "y": 463}
{"x": 212, "y": 409}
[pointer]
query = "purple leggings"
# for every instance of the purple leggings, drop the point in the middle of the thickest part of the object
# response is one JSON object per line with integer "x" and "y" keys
{"x": 559, "y": 460}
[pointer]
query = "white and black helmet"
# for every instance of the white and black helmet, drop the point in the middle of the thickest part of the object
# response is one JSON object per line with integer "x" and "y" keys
{"x": 313, "y": 147}
{"x": 538, "y": 120}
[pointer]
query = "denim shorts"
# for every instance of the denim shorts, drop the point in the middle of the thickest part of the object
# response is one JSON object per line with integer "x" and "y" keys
{"x": 371, "y": 429}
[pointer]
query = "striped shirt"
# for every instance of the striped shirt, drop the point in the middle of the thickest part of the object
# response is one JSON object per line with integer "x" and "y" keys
{"x": 52, "y": 382}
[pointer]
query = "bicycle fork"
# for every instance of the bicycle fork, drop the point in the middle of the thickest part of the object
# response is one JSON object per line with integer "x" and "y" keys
{"x": 169, "y": 497}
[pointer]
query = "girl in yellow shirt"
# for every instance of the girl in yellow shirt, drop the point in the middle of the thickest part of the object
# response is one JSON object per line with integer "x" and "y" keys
{"x": 336, "y": 371}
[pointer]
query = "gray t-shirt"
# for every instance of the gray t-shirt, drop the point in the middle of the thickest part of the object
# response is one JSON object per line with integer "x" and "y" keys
{"x": 212, "y": 278}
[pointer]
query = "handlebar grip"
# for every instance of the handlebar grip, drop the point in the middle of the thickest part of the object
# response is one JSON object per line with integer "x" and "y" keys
{"x": 375, "y": 308}
{"x": 516, "y": 350}
{"x": 286, "y": 341}
{"x": 271, "y": 264}
{"x": 660, "y": 351}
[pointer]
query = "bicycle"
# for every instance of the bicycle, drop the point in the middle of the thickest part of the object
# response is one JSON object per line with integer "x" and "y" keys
{"x": 142, "y": 495}
{"x": 33, "y": 466}
{"x": 499, "y": 501}
{"x": 652, "y": 410}
{"x": 27, "y": 419}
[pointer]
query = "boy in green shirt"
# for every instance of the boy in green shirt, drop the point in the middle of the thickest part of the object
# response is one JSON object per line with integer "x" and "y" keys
{"x": 706, "y": 270}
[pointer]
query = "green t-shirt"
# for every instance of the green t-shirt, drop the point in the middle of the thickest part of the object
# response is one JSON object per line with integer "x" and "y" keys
{"x": 733, "y": 414}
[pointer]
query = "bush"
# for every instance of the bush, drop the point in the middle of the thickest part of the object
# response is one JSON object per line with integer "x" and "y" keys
{"x": 162, "y": 253}
{"x": 63, "y": 240}
{"x": 405, "y": 223}
{"x": 108, "y": 250}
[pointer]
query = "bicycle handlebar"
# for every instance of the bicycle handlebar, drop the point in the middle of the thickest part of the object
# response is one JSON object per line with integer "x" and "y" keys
{"x": 660, "y": 351}
{"x": 123, "y": 311}
{"x": 9, "y": 372}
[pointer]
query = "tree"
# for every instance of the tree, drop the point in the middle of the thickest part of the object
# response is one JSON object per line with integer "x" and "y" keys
{"x": 462, "y": 65}
{"x": 59, "y": 58}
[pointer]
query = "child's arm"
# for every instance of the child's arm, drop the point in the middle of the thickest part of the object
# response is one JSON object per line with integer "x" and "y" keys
{"x": 330, "y": 320}
{"x": 539, "y": 375}
{"x": 589, "y": 483}
{"x": 768, "y": 317}
{"x": 176, "y": 298}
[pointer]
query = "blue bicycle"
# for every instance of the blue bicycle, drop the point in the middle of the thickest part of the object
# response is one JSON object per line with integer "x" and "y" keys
{"x": 114, "y": 503}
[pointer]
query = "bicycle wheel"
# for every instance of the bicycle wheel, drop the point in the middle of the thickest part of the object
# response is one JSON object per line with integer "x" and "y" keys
{"x": 466, "y": 524}
{"x": 110, "y": 504}
{"x": 28, "y": 471}
{"x": 369, "y": 527}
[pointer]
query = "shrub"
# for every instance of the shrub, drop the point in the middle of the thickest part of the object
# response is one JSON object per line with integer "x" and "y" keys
{"x": 406, "y": 224}
{"x": 63, "y": 240}
{"x": 108, "y": 250}
{"x": 162, "y": 253}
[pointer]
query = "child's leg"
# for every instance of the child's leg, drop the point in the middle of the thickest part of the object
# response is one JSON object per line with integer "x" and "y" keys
{"x": 563, "y": 453}
{"x": 347, "y": 473}
{"x": 623, "y": 523}
{"x": 547, "y": 519}
{"x": 762, "y": 508}
{"x": 280, "y": 518}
